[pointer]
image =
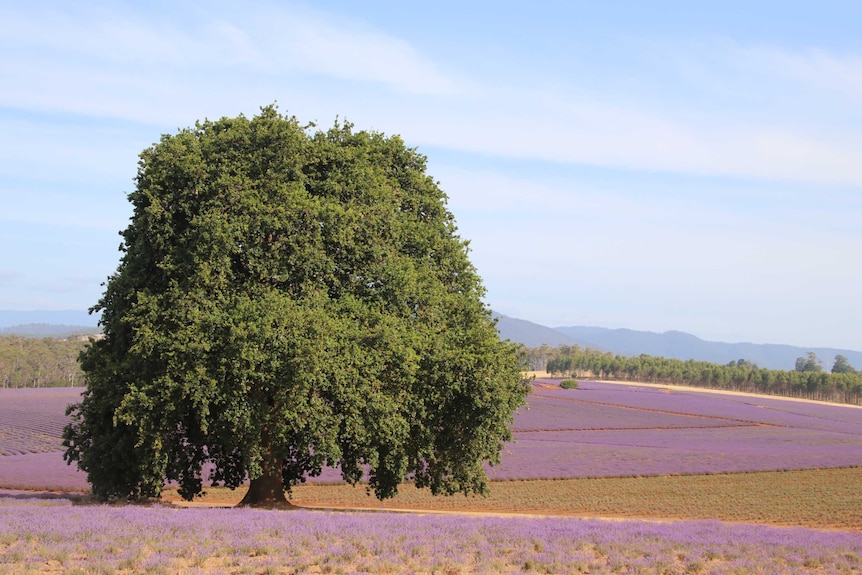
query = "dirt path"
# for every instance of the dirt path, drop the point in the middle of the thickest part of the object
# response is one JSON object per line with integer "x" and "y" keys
{"x": 691, "y": 389}
{"x": 466, "y": 511}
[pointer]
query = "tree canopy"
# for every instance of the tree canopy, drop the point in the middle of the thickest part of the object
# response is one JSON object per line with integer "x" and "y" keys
{"x": 40, "y": 362}
{"x": 842, "y": 365}
{"x": 809, "y": 363}
{"x": 288, "y": 299}
{"x": 741, "y": 375}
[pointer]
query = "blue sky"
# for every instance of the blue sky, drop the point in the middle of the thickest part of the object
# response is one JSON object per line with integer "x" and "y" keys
{"x": 653, "y": 165}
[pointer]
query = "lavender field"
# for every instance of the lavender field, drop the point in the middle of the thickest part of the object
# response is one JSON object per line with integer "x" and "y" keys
{"x": 40, "y": 536}
{"x": 606, "y": 429}
{"x": 598, "y": 430}
{"x": 32, "y": 420}
{"x": 31, "y": 428}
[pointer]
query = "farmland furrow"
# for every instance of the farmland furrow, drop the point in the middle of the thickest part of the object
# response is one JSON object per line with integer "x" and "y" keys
{"x": 657, "y": 428}
{"x": 645, "y": 409}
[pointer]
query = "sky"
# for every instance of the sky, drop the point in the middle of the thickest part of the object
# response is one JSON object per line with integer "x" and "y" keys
{"x": 652, "y": 165}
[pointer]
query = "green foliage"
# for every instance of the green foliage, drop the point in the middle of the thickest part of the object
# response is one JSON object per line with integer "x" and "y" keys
{"x": 286, "y": 300}
{"x": 569, "y": 384}
{"x": 809, "y": 363}
{"x": 842, "y": 365}
{"x": 40, "y": 362}
{"x": 743, "y": 363}
{"x": 737, "y": 375}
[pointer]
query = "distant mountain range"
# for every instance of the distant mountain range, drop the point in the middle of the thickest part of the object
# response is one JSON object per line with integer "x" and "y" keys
{"x": 48, "y": 323}
{"x": 9, "y": 318}
{"x": 48, "y": 330}
{"x": 671, "y": 344}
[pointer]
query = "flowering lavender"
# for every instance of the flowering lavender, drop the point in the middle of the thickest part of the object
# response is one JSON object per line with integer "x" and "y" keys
{"x": 52, "y": 535}
{"x": 603, "y": 429}
{"x": 32, "y": 420}
{"x": 733, "y": 409}
{"x": 41, "y": 471}
{"x": 599, "y": 429}
{"x": 549, "y": 412}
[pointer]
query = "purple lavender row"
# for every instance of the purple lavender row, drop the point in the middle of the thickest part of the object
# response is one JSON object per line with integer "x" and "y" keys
{"x": 52, "y": 534}
{"x": 727, "y": 434}
{"x": 591, "y": 454}
{"x": 768, "y": 410}
{"x": 41, "y": 472}
{"x": 32, "y": 420}
{"x": 662, "y": 452}
{"x": 42, "y": 393}
{"x": 570, "y": 433}
{"x": 571, "y": 411}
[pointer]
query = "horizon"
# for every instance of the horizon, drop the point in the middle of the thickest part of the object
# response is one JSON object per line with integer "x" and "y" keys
{"x": 661, "y": 166}
{"x": 5, "y": 324}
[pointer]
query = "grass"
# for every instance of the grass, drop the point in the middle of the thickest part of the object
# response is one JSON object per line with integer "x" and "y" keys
{"x": 820, "y": 498}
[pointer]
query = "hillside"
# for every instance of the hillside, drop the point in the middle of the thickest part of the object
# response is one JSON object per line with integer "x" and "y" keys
{"x": 679, "y": 345}
{"x": 627, "y": 342}
{"x": 49, "y": 330}
{"x": 671, "y": 344}
{"x": 65, "y": 317}
{"x": 531, "y": 334}
{"x": 48, "y": 323}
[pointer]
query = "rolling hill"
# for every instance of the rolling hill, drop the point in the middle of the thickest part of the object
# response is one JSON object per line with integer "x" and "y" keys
{"x": 628, "y": 342}
{"x": 670, "y": 344}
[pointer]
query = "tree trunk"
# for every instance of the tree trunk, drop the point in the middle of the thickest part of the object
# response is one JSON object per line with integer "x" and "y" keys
{"x": 267, "y": 490}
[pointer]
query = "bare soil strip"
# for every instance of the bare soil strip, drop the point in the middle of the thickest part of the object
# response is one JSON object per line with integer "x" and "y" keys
{"x": 689, "y": 388}
{"x": 820, "y": 498}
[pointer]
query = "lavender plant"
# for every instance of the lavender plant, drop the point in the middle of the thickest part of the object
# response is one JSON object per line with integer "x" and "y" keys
{"x": 32, "y": 420}
{"x": 600, "y": 429}
{"x": 38, "y": 535}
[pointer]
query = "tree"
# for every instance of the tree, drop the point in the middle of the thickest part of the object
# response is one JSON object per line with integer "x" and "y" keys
{"x": 809, "y": 363}
{"x": 842, "y": 365}
{"x": 290, "y": 299}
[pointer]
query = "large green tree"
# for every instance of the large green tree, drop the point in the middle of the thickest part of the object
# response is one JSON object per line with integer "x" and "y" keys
{"x": 289, "y": 299}
{"x": 809, "y": 363}
{"x": 842, "y": 365}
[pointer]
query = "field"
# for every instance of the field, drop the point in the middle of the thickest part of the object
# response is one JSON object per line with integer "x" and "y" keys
{"x": 54, "y": 536}
{"x": 32, "y": 420}
{"x": 607, "y": 478}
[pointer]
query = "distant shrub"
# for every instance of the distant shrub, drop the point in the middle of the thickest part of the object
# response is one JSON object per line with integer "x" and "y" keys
{"x": 569, "y": 384}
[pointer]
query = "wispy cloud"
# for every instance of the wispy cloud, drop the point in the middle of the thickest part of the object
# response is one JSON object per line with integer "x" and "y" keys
{"x": 633, "y": 253}
{"x": 127, "y": 65}
{"x": 356, "y": 51}
{"x": 742, "y": 111}
{"x": 710, "y": 142}
{"x": 735, "y": 165}
{"x": 835, "y": 75}
{"x": 8, "y": 275}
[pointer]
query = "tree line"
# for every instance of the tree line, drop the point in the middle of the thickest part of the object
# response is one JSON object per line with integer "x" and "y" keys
{"x": 40, "y": 362}
{"x": 52, "y": 362}
{"x": 809, "y": 381}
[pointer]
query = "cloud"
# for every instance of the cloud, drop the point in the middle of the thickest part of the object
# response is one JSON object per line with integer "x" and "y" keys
{"x": 649, "y": 181}
{"x": 645, "y": 253}
{"x": 837, "y": 75}
{"x": 9, "y": 275}
{"x": 356, "y": 51}
{"x": 708, "y": 108}
{"x": 138, "y": 66}
{"x": 711, "y": 108}
{"x": 619, "y": 136}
